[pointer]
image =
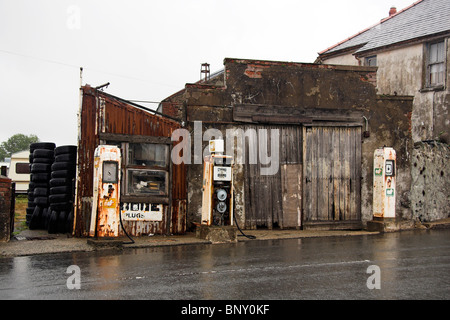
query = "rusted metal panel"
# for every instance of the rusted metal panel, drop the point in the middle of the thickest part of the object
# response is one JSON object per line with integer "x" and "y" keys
{"x": 100, "y": 114}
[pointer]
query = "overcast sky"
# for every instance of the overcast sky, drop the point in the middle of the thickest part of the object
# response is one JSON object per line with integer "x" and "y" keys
{"x": 149, "y": 50}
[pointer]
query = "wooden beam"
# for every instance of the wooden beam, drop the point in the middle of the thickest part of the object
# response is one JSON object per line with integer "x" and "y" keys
{"x": 280, "y": 114}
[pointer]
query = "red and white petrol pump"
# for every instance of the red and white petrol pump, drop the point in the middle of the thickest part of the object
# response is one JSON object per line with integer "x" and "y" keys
{"x": 105, "y": 215}
{"x": 384, "y": 183}
{"x": 217, "y": 201}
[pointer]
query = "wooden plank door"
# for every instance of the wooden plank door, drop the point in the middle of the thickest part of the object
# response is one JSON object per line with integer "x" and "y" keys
{"x": 332, "y": 174}
{"x": 274, "y": 201}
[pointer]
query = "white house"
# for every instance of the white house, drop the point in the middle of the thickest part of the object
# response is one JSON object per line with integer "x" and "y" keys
{"x": 411, "y": 50}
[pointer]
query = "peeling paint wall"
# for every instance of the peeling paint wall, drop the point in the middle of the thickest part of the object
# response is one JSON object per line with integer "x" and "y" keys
{"x": 399, "y": 70}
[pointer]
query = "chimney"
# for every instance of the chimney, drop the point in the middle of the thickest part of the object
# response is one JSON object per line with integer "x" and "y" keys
{"x": 205, "y": 70}
{"x": 392, "y": 11}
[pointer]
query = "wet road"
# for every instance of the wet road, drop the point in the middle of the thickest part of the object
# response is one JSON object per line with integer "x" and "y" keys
{"x": 408, "y": 265}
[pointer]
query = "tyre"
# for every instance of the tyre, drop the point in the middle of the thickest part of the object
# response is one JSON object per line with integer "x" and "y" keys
{"x": 42, "y": 145}
{"x": 43, "y": 153}
{"x": 60, "y": 206}
{"x": 55, "y": 182}
{"x": 63, "y": 174}
{"x": 45, "y": 217}
{"x": 35, "y": 219}
{"x": 67, "y": 157}
{"x": 65, "y": 149}
{"x": 43, "y": 192}
{"x": 69, "y": 222}
{"x": 40, "y": 177}
{"x": 42, "y": 160}
{"x": 34, "y": 185}
{"x": 31, "y": 204}
{"x": 63, "y": 166}
{"x": 28, "y": 219}
{"x": 61, "y": 190}
{"x": 40, "y": 167}
{"x": 55, "y": 198}
{"x": 61, "y": 224}
{"x": 41, "y": 201}
{"x": 53, "y": 222}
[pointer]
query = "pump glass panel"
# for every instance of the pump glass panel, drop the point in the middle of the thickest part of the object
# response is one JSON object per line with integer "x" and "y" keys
{"x": 110, "y": 170}
{"x": 390, "y": 171}
{"x": 148, "y": 154}
{"x": 149, "y": 182}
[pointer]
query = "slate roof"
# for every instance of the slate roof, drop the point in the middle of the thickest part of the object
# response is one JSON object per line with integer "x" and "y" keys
{"x": 421, "y": 19}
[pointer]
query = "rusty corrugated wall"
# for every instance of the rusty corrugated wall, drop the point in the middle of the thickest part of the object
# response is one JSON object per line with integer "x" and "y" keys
{"x": 101, "y": 113}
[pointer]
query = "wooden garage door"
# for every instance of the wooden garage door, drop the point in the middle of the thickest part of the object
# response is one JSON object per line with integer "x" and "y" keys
{"x": 273, "y": 201}
{"x": 331, "y": 175}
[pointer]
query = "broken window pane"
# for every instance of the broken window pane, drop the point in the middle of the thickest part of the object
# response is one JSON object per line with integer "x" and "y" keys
{"x": 151, "y": 182}
{"x": 148, "y": 154}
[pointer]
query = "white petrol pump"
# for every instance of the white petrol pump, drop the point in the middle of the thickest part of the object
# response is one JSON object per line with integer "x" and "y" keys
{"x": 105, "y": 219}
{"x": 217, "y": 201}
{"x": 384, "y": 189}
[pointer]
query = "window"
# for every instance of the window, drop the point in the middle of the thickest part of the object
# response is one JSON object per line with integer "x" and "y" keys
{"x": 435, "y": 64}
{"x": 147, "y": 169}
{"x": 370, "y": 61}
{"x": 22, "y": 167}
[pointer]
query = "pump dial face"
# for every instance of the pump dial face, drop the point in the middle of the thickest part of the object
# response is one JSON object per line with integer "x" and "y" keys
{"x": 221, "y": 194}
{"x": 110, "y": 172}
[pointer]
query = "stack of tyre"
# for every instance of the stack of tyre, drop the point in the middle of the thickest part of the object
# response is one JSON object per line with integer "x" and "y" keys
{"x": 62, "y": 187}
{"x": 41, "y": 160}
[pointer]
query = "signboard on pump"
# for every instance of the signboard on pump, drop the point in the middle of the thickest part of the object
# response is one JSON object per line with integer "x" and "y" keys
{"x": 141, "y": 212}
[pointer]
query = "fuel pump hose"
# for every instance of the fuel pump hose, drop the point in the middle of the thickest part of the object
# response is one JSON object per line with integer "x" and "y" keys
{"x": 121, "y": 224}
{"x": 242, "y": 233}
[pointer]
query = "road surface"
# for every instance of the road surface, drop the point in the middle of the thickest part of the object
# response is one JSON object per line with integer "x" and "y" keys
{"x": 402, "y": 265}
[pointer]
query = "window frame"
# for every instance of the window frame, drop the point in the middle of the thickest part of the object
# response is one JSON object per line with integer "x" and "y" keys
{"x": 368, "y": 59}
{"x": 429, "y": 64}
{"x": 124, "y": 141}
{"x": 22, "y": 168}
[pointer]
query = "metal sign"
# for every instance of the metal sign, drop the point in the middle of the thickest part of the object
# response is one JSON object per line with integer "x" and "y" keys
{"x": 141, "y": 212}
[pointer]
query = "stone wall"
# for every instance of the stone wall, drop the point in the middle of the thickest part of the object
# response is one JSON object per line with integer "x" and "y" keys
{"x": 430, "y": 188}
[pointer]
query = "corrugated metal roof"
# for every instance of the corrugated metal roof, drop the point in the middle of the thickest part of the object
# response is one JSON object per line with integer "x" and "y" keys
{"x": 423, "y": 18}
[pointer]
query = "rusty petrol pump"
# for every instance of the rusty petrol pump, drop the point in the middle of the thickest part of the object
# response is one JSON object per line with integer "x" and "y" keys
{"x": 217, "y": 201}
{"x": 217, "y": 222}
{"x": 105, "y": 215}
